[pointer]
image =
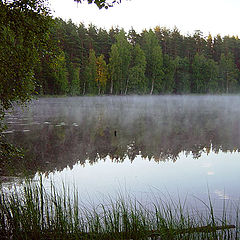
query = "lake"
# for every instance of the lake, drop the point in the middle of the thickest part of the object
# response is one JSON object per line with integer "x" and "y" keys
{"x": 146, "y": 146}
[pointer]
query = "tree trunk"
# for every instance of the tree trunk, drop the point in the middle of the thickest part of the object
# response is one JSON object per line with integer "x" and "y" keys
{"x": 227, "y": 84}
{"x": 126, "y": 89}
{"x": 84, "y": 88}
{"x": 121, "y": 88}
{"x": 152, "y": 87}
{"x": 111, "y": 88}
{"x": 99, "y": 90}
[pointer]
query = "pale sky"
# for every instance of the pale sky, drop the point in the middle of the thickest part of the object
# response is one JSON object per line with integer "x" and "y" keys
{"x": 209, "y": 16}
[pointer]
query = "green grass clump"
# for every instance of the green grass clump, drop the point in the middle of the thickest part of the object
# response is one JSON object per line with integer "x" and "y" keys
{"x": 32, "y": 212}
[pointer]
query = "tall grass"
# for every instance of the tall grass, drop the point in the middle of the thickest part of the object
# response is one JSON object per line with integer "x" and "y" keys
{"x": 32, "y": 212}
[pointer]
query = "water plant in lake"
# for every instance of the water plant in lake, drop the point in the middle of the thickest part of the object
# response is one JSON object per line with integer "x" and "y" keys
{"x": 33, "y": 212}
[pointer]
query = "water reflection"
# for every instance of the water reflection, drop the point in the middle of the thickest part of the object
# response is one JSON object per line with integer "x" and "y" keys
{"x": 58, "y": 132}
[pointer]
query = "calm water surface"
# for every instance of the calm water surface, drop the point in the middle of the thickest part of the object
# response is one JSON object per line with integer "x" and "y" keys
{"x": 147, "y": 146}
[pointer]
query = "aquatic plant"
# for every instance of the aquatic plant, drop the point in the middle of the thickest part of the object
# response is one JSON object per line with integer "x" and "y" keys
{"x": 33, "y": 212}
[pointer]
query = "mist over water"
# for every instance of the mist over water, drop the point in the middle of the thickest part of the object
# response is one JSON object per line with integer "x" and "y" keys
{"x": 181, "y": 144}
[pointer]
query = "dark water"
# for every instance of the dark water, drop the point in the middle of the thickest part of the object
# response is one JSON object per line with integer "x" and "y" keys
{"x": 174, "y": 145}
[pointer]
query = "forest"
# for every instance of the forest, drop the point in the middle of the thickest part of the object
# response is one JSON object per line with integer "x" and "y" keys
{"x": 93, "y": 61}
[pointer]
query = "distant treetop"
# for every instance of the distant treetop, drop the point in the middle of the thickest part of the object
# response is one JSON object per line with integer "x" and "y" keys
{"x": 101, "y": 3}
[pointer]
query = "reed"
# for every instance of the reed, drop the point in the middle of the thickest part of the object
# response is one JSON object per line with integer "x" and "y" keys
{"x": 32, "y": 212}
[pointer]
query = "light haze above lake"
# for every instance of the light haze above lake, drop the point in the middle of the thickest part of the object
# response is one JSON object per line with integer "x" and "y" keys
{"x": 146, "y": 145}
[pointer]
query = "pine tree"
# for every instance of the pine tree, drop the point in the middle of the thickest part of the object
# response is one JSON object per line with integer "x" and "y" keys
{"x": 217, "y": 48}
{"x": 209, "y": 47}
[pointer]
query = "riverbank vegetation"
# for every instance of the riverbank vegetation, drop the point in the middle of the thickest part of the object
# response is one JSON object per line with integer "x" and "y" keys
{"x": 32, "y": 212}
{"x": 24, "y": 40}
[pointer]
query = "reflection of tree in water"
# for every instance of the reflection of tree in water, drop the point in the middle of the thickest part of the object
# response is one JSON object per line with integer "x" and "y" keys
{"x": 119, "y": 134}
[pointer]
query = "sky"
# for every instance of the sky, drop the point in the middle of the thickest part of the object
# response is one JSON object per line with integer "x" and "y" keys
{"x": 209, "y": 16}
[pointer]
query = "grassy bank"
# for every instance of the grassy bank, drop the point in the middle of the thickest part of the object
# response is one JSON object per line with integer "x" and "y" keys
{"x": 34, "y": 213}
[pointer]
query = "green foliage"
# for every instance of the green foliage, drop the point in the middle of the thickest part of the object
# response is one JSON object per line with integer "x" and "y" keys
{"x": 74, "y": 80}
{"x": 114, "y": 68}
{"x": 164, "y": 62}
{"x": 24, "y": 37}
{"x": 205, "y": 75}
{"x": 212, "y": 81}
{"x": 157, "y": 70}
{"x": 24, "y": 31}
{"x": 154, "y": 58}
{"x": 120, "y": 59}
{"x": 8, "y": 152}
{"x": 137, "y": 81}
{"x": 228, "y": 72}
{"x": 91, "y": 73}
{"x": 124, "y": 50}
{"x": 60, "y": 75}
{"x": 101, "y": 77}
{"x": 199, "y": 74}
{"x": 51, "y": 75}
{"x": 101, "y": 3}
{"x": 182, "y": 75}
{"x": 168, "y": 70}
{"x": 173, "y": 63}
{"x": 217, "y": 48}
{"x": 32, "y": 212}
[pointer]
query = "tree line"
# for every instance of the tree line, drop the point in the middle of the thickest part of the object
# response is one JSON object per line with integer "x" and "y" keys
{"x": 93, "y": 61}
